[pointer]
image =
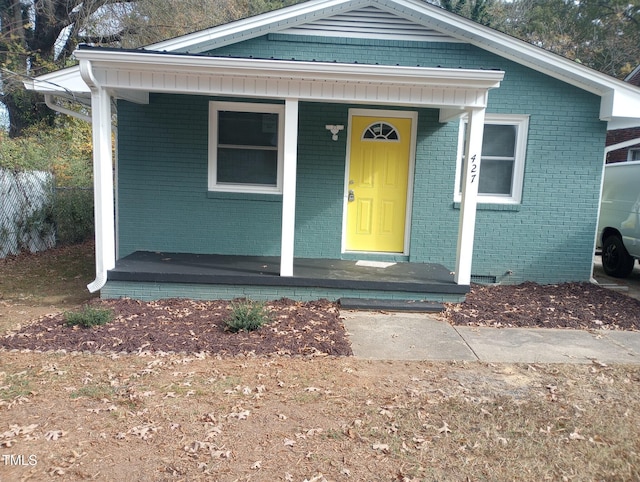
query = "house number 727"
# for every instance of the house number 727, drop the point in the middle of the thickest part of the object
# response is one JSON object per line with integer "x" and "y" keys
{"x": 474, "y": 169}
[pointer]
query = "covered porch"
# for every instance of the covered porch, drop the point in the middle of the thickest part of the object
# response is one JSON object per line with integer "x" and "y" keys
{"x": 134, "y": 75}
{"x": 356, "y": 284}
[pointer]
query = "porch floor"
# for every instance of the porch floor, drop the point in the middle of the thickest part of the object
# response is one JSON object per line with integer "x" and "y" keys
{"x": 263, "y": 271}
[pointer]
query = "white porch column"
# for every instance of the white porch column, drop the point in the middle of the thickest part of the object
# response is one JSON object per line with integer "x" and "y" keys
{"x": 103, "y": 186}
{"x": 470, "y": 177}
{"x": 289, "y": 186}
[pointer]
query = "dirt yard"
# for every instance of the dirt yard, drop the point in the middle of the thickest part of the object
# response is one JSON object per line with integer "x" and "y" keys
{"x": 142, "y": 398}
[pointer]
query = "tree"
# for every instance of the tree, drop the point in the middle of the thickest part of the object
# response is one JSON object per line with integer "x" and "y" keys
{"x": 152, "y": 21}
{"x": 38, "y": 36}
{"x": 602, "y": 34}
{"x": 476, "y": 10}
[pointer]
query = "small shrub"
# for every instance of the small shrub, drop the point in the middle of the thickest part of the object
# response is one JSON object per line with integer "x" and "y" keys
{"x": 89, "y": 317}
{"x": 247, "y": 315}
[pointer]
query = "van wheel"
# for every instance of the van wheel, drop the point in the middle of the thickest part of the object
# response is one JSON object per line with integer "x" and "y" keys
{"x": 616, "y": 261}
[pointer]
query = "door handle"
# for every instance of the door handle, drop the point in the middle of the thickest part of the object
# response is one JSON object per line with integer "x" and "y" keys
{"x": 352, "y": 196}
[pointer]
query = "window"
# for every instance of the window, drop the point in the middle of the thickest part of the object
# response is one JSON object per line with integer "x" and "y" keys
{"x": 504, "y": 146}
{"x": 381, "y": 131}
{"x": 633, "y": 155}
{"x": 245, "y": 147}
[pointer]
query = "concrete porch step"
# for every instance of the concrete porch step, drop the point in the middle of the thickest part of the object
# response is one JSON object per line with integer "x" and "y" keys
{"x": 390, "y": 305}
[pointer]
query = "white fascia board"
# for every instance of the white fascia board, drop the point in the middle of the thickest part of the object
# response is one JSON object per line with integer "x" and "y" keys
{"x": 293, "y": 70}
{"x": 623, "y": 123}
{"x": 65, "y": 81}
{"x": 623, "y": 102}
{"x": 256, "y": 26}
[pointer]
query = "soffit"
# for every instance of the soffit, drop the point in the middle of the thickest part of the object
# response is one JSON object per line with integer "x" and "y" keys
{"x": 312, "y": 81}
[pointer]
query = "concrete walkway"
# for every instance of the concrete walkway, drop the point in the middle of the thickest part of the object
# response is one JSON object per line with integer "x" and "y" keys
{"x": 417, "y": 336}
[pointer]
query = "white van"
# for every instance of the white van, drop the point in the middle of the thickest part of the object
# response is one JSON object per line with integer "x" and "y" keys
{"x": 619, "y": 222}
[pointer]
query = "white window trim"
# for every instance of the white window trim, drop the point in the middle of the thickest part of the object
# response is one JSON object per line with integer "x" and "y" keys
{"x": 522, "y": 124}
{"x": 214, "y": 108}
{"x": 630, "y": 153}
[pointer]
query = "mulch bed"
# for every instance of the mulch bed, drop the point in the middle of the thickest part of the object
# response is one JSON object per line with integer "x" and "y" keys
{"x": 177, "y": 325}
{"x": 314, "y": 328}
{"x": 567, "y": 305}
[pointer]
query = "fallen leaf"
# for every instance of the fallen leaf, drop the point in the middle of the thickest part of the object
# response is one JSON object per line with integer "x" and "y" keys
{"x": 386, "y": 413}
{"x": 221, "y": 454}
{"x": 317, "y": 478}
{"x": 380, "y": 447}
{"x": 54, "y": 434}
{"x": 240, "y": 415}
{"x": 575, "y": 436}
{"x": 145, "y": 432}
{"x": 56, "y": 471}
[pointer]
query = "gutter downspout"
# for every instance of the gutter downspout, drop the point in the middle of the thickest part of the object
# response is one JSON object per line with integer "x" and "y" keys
{"x": 48, "y": 100}
{"x": 607, "y": 150}
{"x": 102, "y": 177}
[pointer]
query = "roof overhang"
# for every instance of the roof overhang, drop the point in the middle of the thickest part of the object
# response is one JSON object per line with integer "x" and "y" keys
{"x": 131, "y": 74}
{"x": 67, "y": 83}
{"x": 620, "y": 102}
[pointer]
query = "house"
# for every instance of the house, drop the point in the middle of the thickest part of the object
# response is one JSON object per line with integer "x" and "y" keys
{"x": 624, "y": 144}
{"x": 343, "y": 149}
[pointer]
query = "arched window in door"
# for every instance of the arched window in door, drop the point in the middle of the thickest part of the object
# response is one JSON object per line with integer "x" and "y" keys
{"x": 381, "y": 131}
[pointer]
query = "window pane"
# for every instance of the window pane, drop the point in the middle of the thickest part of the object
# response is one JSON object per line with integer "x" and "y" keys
{"x": 382, "y": 131}
{"x": 247, "y": 166}
{"x": 495, "y": 177}
{"x": 247, "y": 128}
{"x": 499, "y": 140}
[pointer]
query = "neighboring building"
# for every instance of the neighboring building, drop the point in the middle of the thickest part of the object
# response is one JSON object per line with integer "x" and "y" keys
{"x": 265, "y": 157}
{"x": 618, "y": 136}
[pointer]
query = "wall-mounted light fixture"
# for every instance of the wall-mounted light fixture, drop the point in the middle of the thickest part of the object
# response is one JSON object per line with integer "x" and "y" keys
{"x": 334, "y": 129}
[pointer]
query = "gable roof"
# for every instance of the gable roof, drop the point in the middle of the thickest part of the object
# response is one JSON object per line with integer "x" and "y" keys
{"x": 407, "y": 20}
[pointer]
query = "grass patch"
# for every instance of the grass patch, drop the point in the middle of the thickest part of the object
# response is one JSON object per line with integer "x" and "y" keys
{"x": 46, "y": 277}
{"x": 15, "y": 386}
{"x": 95, "y": 392}
{"x": 247, "y": 315}
{"x": 89, "y": 317}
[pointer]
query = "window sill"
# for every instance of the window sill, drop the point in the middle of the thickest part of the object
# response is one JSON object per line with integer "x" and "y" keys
{"x": 493, "y": 207}
{"x": 244, "y": 196}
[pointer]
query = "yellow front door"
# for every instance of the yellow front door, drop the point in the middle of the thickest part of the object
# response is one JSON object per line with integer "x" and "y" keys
{"x": 377, "y": 183}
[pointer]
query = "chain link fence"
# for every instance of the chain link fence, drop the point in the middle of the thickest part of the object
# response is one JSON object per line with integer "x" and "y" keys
{"x": 36, "y": 215}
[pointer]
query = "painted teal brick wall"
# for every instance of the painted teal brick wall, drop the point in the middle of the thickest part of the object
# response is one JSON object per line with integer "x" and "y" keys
{"x": 162, "y": 187}
{"x": 320, "y": 184}
{"x": 156, "y": 291}
{"x": 547, "y": 238}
